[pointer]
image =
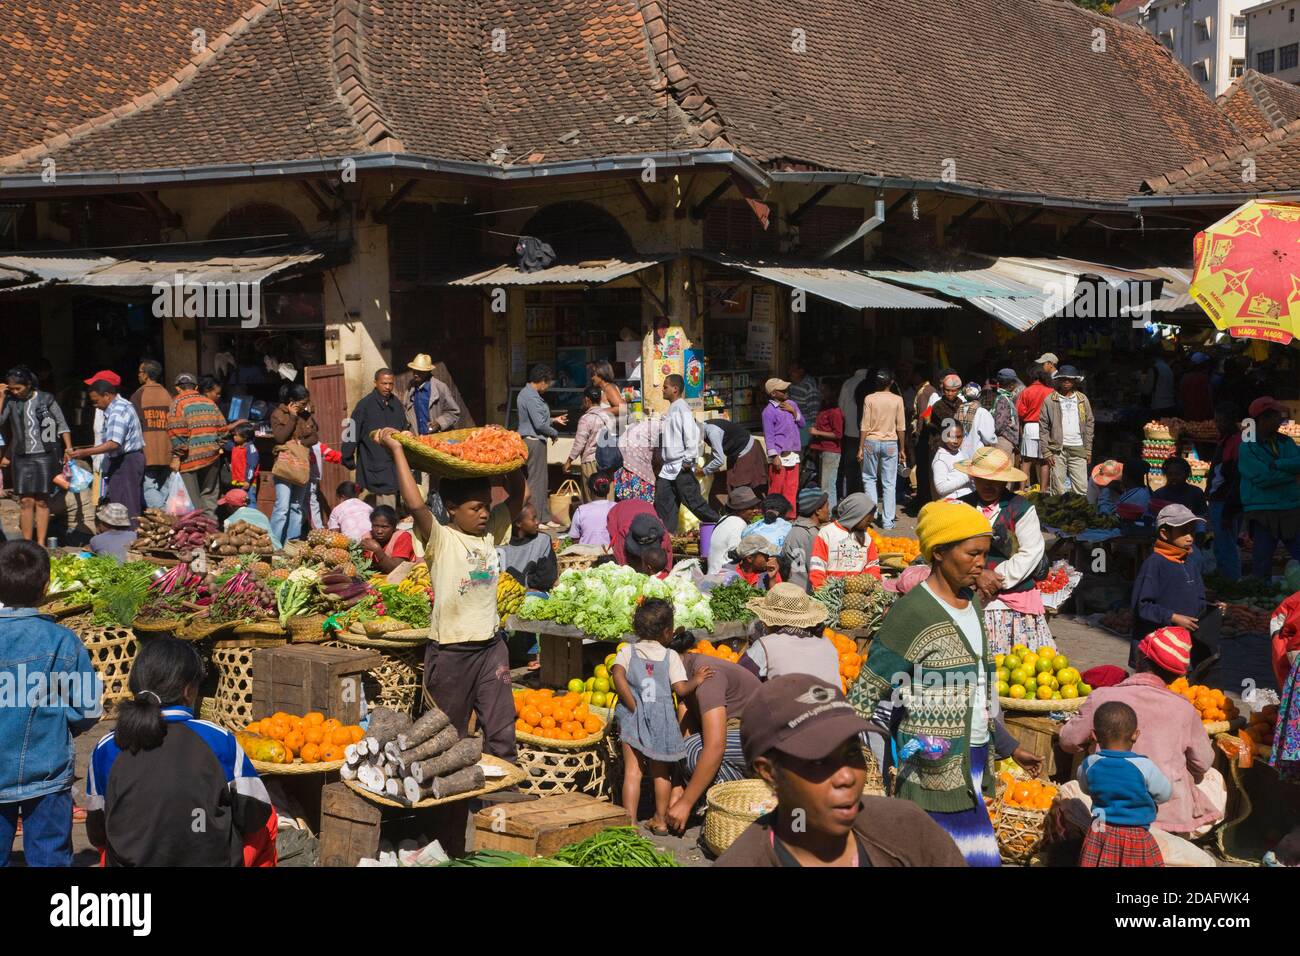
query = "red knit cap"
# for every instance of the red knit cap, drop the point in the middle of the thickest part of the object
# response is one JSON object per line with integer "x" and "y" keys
{"x": 1169, "y": 647}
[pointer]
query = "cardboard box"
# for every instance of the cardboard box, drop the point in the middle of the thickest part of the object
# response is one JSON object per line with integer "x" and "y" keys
{"x": 299, "y": 678}
{"x": 540, "y": 827}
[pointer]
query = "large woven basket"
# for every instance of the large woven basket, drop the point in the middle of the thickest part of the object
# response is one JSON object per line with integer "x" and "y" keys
{"x": 307, "y": 629}
{"x": 233, "y": 661}
{"x": 112, "y": 651}
{"x": 732, "y": 806}
{"x": 423, "y": 457}
{"x": 1042, "y": 706}
{"x": 297, "y": 767}
{"x": 159, "y": 625}
{"x": 1020, "y": 831}
{"x": 199, "y": 628}
{"x": 562, "y": 766}
{"x": 396, "y": 683}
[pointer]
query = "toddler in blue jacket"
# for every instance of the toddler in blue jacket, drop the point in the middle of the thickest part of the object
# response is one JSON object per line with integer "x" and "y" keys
{"x": 1125, "y": 788}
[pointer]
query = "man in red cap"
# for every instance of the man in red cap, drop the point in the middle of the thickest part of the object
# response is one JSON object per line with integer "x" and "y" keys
{"x": 1172, "y": 736}
{"x": 804, "y": 739}
{"x": 1268, "y": 464}
{"x": 103, "y": 375}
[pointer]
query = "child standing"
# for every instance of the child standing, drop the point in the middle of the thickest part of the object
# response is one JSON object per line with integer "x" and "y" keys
{"x": 1125, "y": 788}
{"x": 646, "y": 675}
{"x": 244, "y": 460}
{"x": 36, "y": 761}
{"x": 828, "y": 439}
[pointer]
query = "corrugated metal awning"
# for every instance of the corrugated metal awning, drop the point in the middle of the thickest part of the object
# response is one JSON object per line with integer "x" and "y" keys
{"x": 589, "y": 272}
{"x": 194, "y": 264}
{"x": 855, "y": 288}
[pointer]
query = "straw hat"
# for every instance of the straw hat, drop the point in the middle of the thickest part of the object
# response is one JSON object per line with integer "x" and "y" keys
{"x": 993, "y": 464}
{"x": 1108, "y": 471}
{"x": 421, "y": 363}
{"x": 787, "y": 605}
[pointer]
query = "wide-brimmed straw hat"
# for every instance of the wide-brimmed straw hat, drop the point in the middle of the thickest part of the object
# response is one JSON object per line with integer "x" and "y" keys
{"x": 992, "y": 464}
{"x": 421, "y": 363}
{"x": 788, "y": 605}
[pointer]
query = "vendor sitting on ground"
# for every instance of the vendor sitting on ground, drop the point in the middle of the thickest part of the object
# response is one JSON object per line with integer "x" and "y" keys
{"x": 742, "y": 507}
{"x": 232, "y": 508}
{"x": 1173, "y": 737}
{"x": 844, "y": 547}
{"x": 710, "y": 718}
{"x": 776, "y": 520}
{"x": 1013, "y": 605}
{"x": 756, "y": 562}
{"x": 590, "y": 523}
{"x": 796, "y": 553}
{"x": 1105, "y": 485}
{"x": 113, "y": 534}
{"x": 528, "y": 556}
{"x": 791, "y": 641}
{"x": 386, "y": 546}
{"x": 1177, "y": 491}
{"x": 1168, "y": 590}
{"x": 633, "y": 527}
{"x": 804, "y": 740}
{"x": 351, "y": 515}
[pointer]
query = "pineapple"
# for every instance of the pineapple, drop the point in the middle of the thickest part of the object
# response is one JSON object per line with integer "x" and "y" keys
{"x": 260, "y": 569}
{"x": 350, "y": 569}
{"x": 854, "y": 600}
{"x": 319, "y": 537}
{"x": 340, "y": 541}
{"x": 336, "y": 556}
{"x": 852, "y": 619}
{"x": 295, "y": 549}
{"x": 857, "y": 584}
{"x": 317, "y": 553}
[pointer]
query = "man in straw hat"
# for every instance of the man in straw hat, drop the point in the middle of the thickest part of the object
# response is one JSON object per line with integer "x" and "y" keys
{"x": 1066, "y": 427}
{"x": 802, "y": 738}
{"x": 430, "y": 407}
{"x": 792, "y": 641}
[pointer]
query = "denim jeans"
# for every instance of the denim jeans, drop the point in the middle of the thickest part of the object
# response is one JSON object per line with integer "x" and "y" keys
{"x": 47, "y": 829}
{"x": 155, "y": 479}
{"x": 287, "y": 515}
{"x": 880, "y": 459}
{"x": 1226, "y": 553}
{"x": 829, "y": 471}
{"x": 1263, "y": 545}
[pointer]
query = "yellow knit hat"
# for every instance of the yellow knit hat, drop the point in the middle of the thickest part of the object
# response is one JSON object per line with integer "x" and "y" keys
{"x": 945, "y": 522}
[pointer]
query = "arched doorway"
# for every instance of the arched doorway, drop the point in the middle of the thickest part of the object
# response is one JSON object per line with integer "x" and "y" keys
{"x": 578, "y": 231}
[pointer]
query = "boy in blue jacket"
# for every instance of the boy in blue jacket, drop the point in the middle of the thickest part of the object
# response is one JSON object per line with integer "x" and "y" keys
{"x": 1125, "y": 788}
{"x": 1168, "y": 590}
{"x": 48, "y": 692}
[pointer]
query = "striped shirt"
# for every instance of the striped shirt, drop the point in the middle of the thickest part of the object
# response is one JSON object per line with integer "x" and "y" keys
{"x": 837, "y": 554}
{"x": 197, "y": 428}
{"x": 122, "y": 425}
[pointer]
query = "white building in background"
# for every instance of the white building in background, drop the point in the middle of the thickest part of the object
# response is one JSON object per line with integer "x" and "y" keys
{"x": 1273, "y": 39}
{"x": 1208, "y": 37}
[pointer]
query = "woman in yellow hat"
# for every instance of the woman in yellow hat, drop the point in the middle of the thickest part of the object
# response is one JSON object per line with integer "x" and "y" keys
{"x": 1017, "y": 558}
{"x": 930, "y": 668}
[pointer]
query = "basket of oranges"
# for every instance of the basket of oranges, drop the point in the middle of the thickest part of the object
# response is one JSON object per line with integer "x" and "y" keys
{"x": 852, "y": 655}
{"x": 559, "y": 743}
{"x": 1019, "y": 815}
{"x": 1215, "y": 708}
{"x": 307, "y": 744}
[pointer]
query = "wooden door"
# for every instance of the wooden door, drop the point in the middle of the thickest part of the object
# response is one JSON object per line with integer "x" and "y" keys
{"x": 447, "y": 324}
{"x": 329, "y": 397}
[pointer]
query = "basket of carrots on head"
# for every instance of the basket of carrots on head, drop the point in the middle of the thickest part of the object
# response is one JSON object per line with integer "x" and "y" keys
{"x": 465, "y": 452}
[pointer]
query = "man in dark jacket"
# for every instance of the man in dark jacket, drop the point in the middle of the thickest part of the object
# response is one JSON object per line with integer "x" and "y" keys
{"x": 802, "y": 737}
{"x": 372, "y": 462}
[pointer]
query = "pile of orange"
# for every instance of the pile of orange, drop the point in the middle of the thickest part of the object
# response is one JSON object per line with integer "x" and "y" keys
{"x": 1026, "y": 794}
{"x": 909, "y": 548}
{"x": 1211, "y": 704}
{"x": 722, "y": 652}
{"x": 850, "y": 659}
{"x": 543, "y": 713}
{"x": 309, "y": 738}
{"x": 491, "y": 445}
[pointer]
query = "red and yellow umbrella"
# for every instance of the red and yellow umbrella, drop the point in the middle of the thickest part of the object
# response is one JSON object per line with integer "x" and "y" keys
{"x": 1246, "y": 272}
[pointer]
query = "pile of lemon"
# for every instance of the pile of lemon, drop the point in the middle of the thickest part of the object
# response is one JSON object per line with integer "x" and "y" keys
{"x": 1043, "y": 674}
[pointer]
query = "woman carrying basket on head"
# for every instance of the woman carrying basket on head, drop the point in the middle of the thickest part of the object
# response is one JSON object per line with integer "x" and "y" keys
{"x": 1017, "y": 558}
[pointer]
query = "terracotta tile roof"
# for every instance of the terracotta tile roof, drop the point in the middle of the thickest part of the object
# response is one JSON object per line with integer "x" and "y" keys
{"x": 1255, "y": 103}
{"x": 1125, "y": 7}
{"x": 888, "y": 88}
{"x": 1276, "y": 167}
{"x": 65, "y": 62}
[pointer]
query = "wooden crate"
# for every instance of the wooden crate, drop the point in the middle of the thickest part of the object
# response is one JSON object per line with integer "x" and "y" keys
{"x": 349, "y": 827}
{"x": 1038, "y": 734}
{"x": 540, "y": 827}
{"x": 299, "y": 678}
{"x": 561, "y": 659}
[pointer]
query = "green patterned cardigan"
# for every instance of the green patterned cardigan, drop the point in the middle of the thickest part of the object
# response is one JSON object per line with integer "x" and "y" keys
{"x": 920, "y": 648}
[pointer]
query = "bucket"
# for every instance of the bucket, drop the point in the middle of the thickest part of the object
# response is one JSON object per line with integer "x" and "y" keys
{"x": 706, "y": 535}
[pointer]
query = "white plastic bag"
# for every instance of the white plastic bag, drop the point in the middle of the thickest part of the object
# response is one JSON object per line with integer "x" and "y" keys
{"x": 79, "y": 478}
{"x": 178, "y": 499}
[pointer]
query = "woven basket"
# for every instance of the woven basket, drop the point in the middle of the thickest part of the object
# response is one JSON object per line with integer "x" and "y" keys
{"x": 514, "y": 775}
{"x": 389, "y": 640}
{"x": 1042, "y": 706}
{"x": 731, "y": 807}
{"x": 112, "y": 650}
{"x": 1020, "y": 832}
{"x": 562, "y": 766}
{"x": 424, "y": 458}
{"x": 233, "y": 661}
{"x": 267, "y": 628}
{"x": 307, "y": 629}
{"x": 288, "y": 769}
{"x": 576, "y": 562}
{"x": 383, "y": 625}
{"x": 170, "y": 625}
{"x": 199, "y": 628}
{"x": 61, "y": 609}
{"x": 398, "y": 681}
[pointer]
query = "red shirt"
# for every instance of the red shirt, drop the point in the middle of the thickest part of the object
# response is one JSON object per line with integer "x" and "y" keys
{"x": 1031, "y": 401}
{"x": 619, "y": 523}
{"x": 829, "y": 420}
{"x": 400, "y": 545}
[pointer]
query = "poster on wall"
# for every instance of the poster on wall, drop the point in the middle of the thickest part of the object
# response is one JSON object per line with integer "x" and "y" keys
{"x": 694, "y": 373}
{"x": 727, "y": 300}
{"x": 668, "y": 355}
{"x": 760, "y": 346}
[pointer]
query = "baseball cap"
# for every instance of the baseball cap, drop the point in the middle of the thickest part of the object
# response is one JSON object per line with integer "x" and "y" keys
{"x": 185, "y": 378}
{"x": 1176, "y": 516}
{"x": 1169, "y": 647}
{"x": 1006, "y": 375}
{"x": 645, "y": 532}
{"x": 799, "y": 715}
{"x": 752, "y": 544}
{"x": 776, "y": 385}
{"x": 235, "y": 498}
{"x": 1049, "y": 357}
{"x": 1267, "y": 404}
{"x": 104, "y": 375}
{"x": 1068, "y": 371}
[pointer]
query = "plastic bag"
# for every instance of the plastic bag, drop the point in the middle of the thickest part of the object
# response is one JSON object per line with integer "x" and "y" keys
{"x": 178, "y": 499}
{"x": 79, "y": 478}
